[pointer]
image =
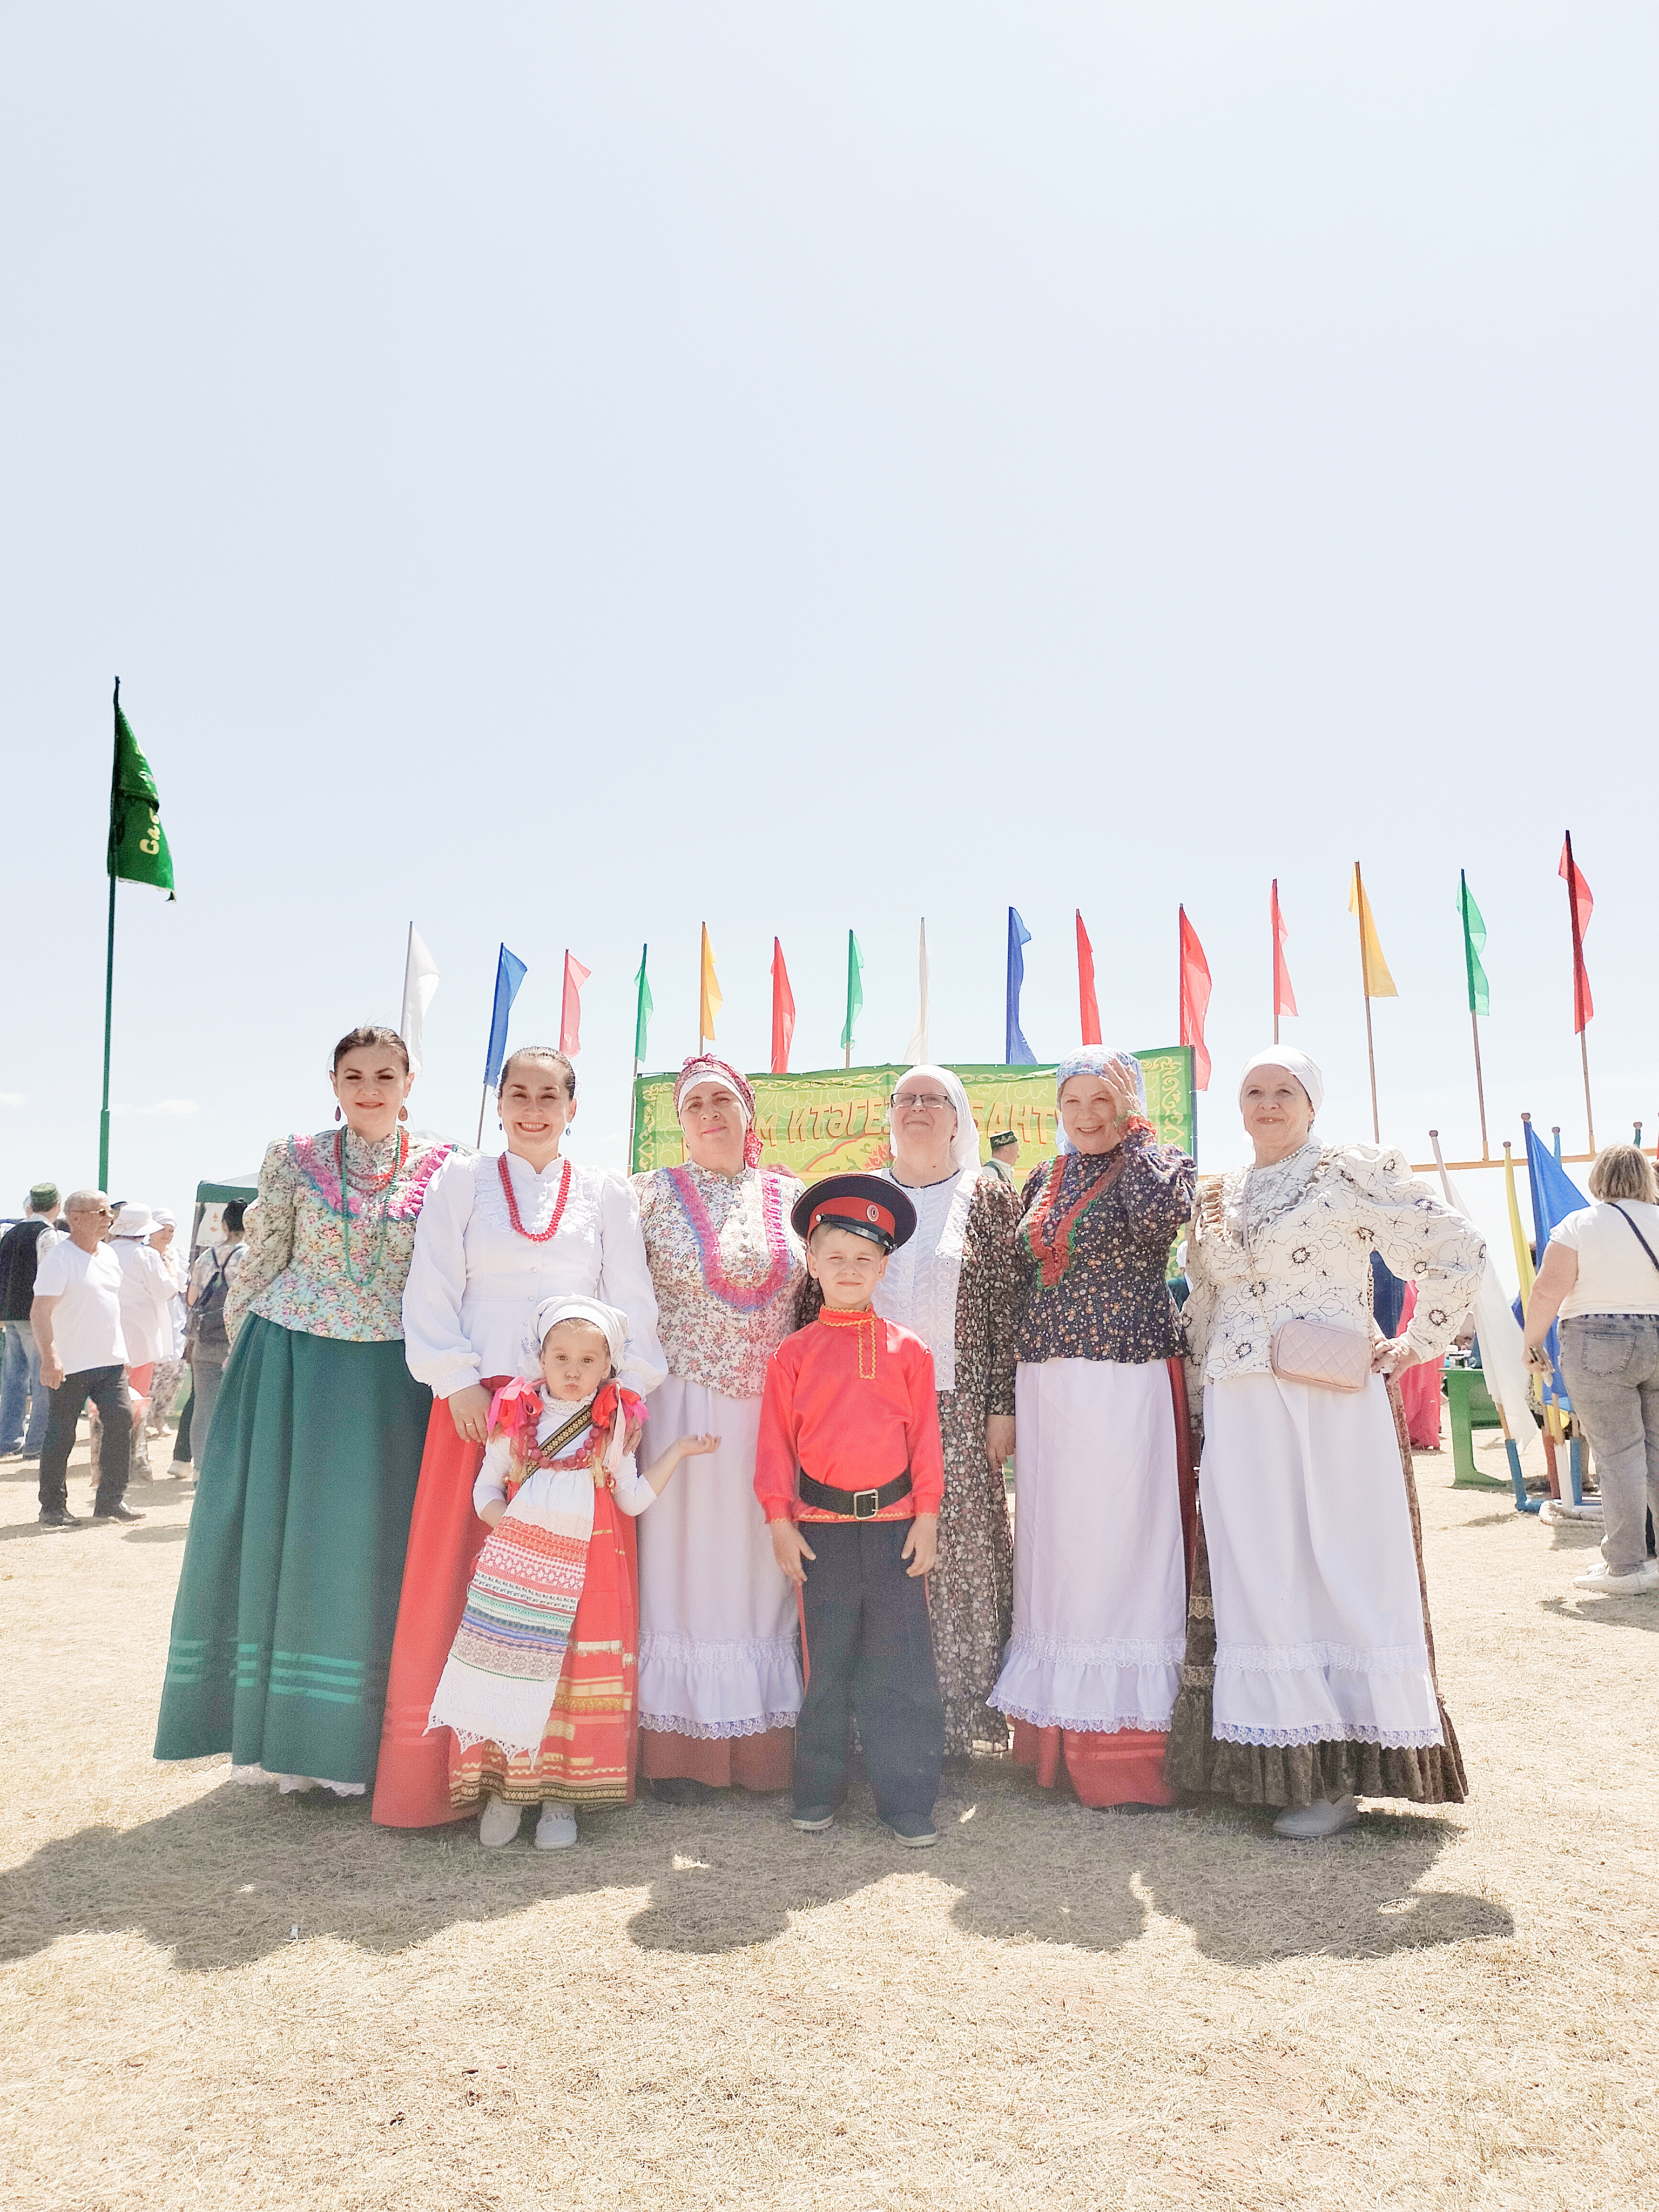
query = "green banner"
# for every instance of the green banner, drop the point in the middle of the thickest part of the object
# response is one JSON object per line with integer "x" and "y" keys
{"x": 833, "y": 1120}
{"x": 138, "y": 844}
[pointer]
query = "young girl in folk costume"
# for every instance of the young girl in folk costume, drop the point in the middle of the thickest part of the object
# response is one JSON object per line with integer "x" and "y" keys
{"x": 538, "y": 1693}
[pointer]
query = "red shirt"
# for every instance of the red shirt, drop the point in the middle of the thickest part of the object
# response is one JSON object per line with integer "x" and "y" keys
{"x": 850, "y": 1400}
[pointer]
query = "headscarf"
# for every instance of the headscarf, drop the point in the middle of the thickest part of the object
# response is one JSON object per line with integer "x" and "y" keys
{"x": 964, "y": 1145}
{"x": 1095, "y": 1060}
{"x": 1293, "y": 1063}
{"x": 705, "y": 1066}
{"x": 611, "y": 1324}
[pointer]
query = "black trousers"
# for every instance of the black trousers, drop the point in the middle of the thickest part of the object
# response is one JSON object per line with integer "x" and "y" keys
{"x": 870, "y": 1654}
{"x": 106, "y": 1387}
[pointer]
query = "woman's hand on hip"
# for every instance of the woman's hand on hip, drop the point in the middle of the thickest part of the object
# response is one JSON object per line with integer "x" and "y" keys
{"x": 469, "y": 1409}
{"x": 1000, "y": 1440}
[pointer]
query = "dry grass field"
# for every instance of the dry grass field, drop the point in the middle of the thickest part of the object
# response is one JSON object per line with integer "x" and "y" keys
{"x": 212, "y": 1997}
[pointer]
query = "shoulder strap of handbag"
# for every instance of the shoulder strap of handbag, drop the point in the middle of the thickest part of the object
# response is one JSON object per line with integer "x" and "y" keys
{"x": 1637, "y": 1234}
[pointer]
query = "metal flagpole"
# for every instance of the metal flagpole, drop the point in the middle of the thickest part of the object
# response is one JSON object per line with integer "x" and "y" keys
{"x": 482, "y": 1102}
{"x": 1365, "y": 982}
{"x": 109, "y": 961}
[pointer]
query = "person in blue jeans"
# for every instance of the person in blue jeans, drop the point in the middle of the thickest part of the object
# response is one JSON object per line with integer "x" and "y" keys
{"x": 1601, "y": 1275}
{"x": 21, "y": 1397}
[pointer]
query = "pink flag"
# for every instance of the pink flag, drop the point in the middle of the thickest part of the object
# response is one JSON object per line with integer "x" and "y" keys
{"x": 570, "y": 1013}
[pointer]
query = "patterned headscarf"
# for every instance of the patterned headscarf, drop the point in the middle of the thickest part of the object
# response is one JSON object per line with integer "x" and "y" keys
{"x": 964, "y": 1145}
{"x": 1293, "y": 1063}
{"x": 1095, "y": 1060}
{"x": 706, "y": 1067}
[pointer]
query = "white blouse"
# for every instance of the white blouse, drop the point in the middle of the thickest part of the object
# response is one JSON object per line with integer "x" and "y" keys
{"x": 475, "y": 1283}
{"x": 632, "y": 1491}
{"x": 924, "y": 1275}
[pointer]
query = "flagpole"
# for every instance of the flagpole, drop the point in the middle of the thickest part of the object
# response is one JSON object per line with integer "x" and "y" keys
{"x": 1577, "y": 986}
{"x": 477, "y": 1146}
{"x": 1365, "y": 985}
{"x": 109, "y": 959}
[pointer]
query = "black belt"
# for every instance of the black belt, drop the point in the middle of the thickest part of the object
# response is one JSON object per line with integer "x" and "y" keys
{"x": 853, "y": 1504}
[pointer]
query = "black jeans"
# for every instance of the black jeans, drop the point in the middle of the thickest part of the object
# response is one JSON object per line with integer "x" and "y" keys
{"x": 870, "y": 1652}
{"x": 106, "y": 1387}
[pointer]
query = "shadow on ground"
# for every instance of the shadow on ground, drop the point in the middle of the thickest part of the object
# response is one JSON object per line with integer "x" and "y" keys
{"x": 222, "y": 1880}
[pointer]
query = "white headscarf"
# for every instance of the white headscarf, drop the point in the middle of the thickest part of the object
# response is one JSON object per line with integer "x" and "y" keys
{"x": 611, "y": 1324}
{"x": 964, "y": 1145}
{"x": 1095, "y": 1060}
{"x": 1293, "y": 1063}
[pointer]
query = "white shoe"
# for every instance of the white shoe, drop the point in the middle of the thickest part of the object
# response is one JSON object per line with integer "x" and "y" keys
{"x": 1636, "y": 1582}
{"x": 555, "y": 1830}
{"x": 1311, "y": 1824}
{"x": 498, "y": 1824}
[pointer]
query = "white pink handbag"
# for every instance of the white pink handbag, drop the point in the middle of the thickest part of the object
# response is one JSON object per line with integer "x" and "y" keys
{"x": 1319, "y": 1353}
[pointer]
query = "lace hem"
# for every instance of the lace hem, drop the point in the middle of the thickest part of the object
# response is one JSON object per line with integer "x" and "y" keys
{"x": 1320, "y": 1658}
{"x": 1084, "y": 1724}
{"x": 673, "y": 1647}
{"x": 1322, "y": 1732}
{"x": 1116, "y": 1651}
{"x": 716, "y": 1731}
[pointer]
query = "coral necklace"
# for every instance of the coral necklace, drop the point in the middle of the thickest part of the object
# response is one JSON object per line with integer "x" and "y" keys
{"x": 534, "y": 1236}
{"x": 1048, "y": 1240}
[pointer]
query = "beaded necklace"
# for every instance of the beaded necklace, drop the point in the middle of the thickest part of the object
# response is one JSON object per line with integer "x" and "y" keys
{"x": 742, "y": 1297}
{"x": 534, "y": 1236}
{"x": 380, "y": 1185}
{"x": 1049, "y": 1240}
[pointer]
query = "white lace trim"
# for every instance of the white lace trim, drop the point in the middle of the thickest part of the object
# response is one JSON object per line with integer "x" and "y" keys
{"x": 1320, "y": 1658}
{"x": 1323, "y": 1732}
{"x": 716, "y": 1731}
{"x": 1116, "y": 1651}
{"x": 1081, "y": 1724}
{"x": 673, "y": 1647}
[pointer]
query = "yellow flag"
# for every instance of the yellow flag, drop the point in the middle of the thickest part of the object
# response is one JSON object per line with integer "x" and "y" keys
{"x": 1379, "y": 984}
{"x": 709, "y": 1003}
{"x": 1517, "y": 1234}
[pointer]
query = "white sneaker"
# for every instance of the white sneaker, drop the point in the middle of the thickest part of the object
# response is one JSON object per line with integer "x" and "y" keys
{"x": 555, "y": 1830}
{"x": 1636, "y": 1582}
{"x": 1311, "y": 1824}
{"x": 498, "y": 1824}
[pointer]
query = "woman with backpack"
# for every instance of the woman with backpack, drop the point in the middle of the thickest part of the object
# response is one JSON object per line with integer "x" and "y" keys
{"x": 207, "y": 1345}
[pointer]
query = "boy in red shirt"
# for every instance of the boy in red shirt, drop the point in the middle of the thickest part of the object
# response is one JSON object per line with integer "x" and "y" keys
{"x": 849, "y": 1473}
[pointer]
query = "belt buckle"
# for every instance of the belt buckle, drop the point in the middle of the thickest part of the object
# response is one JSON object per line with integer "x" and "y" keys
{"x": 866, "y": 1504}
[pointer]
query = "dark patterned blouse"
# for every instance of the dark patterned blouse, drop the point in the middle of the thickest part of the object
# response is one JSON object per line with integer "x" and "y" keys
{"x": 1108, "y": 1298}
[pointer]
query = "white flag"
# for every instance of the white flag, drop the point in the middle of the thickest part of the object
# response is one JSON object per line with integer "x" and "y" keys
{"x": 916, "y": 1050}
{"x": 420, "y": 988}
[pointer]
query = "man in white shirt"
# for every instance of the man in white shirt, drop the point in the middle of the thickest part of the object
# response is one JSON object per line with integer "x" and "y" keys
{"x": 77, "y": 1320}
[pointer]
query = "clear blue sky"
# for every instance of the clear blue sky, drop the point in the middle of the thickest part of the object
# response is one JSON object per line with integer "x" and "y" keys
{"x": 566, "y": 474}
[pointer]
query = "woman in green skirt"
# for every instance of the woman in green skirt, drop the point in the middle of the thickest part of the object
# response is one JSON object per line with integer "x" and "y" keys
{"x": 282, "y": 1627}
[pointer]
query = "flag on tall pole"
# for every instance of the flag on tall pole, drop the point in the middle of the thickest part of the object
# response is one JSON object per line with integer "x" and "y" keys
{"x": 570, "y": 1005}
{"x": 709, "y": 1000}
{"x": 643, "y": 1012}
{"x": 1088, "y": 1007}
{"x": 915, "y": 1052}
{"x": 783, "y": 1011}
{"x": 854, "y": 994}
{"x": 1195, "y": 1000}
{"x": 1015, "y": 1050}
{"x": 1474, "y": 944}
{"x": 1284, "y": 997}
{"x": 420, "y": 988}
{"x": 510, "y": 972}
{"x": 136, "y": 853}
{"x": 1580, "y": 906}
{"x": 1374, "y": 976}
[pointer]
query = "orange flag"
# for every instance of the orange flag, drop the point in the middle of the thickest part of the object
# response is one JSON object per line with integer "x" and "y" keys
{"x": 1379, "y": 984}
{"x": 708, "y": 998}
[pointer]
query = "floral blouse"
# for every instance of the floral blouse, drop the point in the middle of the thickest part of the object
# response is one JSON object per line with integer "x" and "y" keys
{"x": 1296, "y": 1244}
{"x": 308, "y": 1270}
{"x": 1111, "y": 1299}
{"x": 726, "y": 1265}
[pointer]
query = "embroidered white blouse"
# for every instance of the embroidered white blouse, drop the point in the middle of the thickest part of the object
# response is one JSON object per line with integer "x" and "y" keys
{"x": 1296, "y": 1243}
{"x": 475, "y": 1283}
{"x": 919, "y": 1289}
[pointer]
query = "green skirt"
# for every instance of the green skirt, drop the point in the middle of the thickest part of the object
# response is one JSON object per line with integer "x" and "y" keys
{"x": 281, "y": 1630}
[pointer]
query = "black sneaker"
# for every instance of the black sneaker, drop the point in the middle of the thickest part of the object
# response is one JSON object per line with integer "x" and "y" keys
{"x": 57, "y": 1516}
{"x": 915, "y": 1829}
{"x": 813, "y": 1820}
{"x": 119, "y": 1511}
{"x": 682, "y": 1789}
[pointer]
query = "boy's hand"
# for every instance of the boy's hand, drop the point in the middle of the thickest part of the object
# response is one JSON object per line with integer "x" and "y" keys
{"x": 789, "y": 1548}
{"x": 921, "y": 1544}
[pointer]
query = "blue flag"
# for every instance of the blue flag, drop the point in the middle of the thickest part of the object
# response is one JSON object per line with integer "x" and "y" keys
{"x": 1554, "y": 1196}
{"x": 1016, "y": 1052}
{"x": 510, "y": 972}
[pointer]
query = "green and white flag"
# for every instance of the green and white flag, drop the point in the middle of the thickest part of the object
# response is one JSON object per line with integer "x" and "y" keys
{"x": 138, "y": 844}
{"x": 1474, "y": 944}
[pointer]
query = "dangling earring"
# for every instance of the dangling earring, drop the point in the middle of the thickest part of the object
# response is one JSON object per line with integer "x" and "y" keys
{"x": 403, "y": 1113}
{"x": 336, "y": 1113}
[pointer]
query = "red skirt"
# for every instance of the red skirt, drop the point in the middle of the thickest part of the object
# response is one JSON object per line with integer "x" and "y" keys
{"x": 411, "y": 1783}
{"x": 762, "y": 1762}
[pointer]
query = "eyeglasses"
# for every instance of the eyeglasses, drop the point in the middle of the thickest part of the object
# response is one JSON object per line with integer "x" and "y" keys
{"x": 933, "y": 1099}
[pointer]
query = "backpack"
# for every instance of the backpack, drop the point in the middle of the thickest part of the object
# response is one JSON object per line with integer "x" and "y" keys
{"x": 205, "y": 1331}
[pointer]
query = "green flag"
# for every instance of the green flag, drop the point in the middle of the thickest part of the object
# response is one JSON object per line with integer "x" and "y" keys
{"x": 1474, "y": 944}
{"x": 855, "y": 990}
{"x": 138, "y": 844}
{"x": 643, "y": 1006}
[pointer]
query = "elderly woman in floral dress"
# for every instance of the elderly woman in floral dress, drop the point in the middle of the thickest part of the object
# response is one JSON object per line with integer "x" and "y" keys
{"x": 719, "y": 1670}
{"x": 948, "y": 1285}
{"x": 1102, "y": 1468}
{"x": 1310, "y": 1675}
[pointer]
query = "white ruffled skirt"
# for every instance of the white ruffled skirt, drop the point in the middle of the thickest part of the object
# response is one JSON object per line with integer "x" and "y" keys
{"x": 1100, "y": 1586}
{"x": 719, "y": 1625}
{"x": 1318, "y": 1611}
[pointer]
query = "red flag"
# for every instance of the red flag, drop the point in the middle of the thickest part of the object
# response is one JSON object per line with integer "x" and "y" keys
{"x": 1088, "y": 1010}
{"x": 1580, "y": 906}
{"x": 1284, "y": 997}
{"x": 1194, "y": 999}
{"x": 783, "y": 1012}
{"x": 570, "y": 1012}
